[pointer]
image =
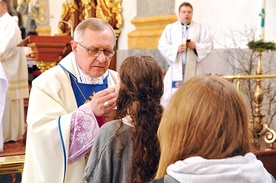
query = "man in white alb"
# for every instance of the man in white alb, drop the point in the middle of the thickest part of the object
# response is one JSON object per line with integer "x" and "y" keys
{"x": 183, "y": 44}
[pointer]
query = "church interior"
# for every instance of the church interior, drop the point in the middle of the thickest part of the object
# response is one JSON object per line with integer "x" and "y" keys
{"x": 46, "y": 38}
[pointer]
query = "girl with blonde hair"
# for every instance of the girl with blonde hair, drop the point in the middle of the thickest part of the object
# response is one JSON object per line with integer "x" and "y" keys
{"x": 204, "y": 136}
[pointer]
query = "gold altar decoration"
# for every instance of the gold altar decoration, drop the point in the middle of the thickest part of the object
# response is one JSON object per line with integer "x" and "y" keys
{"x": 110, "y": 11}
{"x": 69, "y": 16}
{"x": 259, "y": 127}
{"x": 45, "y": 65}
{"x": 88, "y": 9}
{"x": 148, "y": 31}
{"x": 43, "y": 31}
{"x": 11, "y": 164}
{"x": 74, "y": 11}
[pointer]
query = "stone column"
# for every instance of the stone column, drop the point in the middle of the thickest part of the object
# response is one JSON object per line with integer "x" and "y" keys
{"x": 152, "y": 17}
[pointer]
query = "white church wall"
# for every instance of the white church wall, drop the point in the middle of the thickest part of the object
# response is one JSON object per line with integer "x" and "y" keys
{"x": 220, "y": 16}
{"x": 129, "y": 11}
{"x": 55, "y": 13}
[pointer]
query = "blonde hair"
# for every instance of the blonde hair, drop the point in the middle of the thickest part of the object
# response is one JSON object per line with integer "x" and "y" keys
{"x": 206, "y": 117}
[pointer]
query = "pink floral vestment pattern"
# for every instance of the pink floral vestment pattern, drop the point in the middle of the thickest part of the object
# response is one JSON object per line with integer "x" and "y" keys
{"x": 84, "y": 130}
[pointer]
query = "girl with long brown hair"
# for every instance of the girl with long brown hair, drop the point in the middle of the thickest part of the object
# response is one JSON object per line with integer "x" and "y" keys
{"x": 127, "y": 149}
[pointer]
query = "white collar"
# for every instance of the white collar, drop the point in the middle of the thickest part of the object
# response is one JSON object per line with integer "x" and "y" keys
{"x": 88, "y": 79}
{"x": 127, "y": 120}
{"x": 84, "y": 78}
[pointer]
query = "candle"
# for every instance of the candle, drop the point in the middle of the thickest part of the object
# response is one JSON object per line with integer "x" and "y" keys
{"x": 262, "y": 14}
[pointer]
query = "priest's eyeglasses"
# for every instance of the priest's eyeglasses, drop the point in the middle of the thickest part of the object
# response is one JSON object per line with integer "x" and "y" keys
{"x": 95, "y": 52}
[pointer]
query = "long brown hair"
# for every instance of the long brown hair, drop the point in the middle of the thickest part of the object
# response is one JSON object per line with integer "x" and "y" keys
{"x": 141, "y": 88}
{"x": 206, "y": 117}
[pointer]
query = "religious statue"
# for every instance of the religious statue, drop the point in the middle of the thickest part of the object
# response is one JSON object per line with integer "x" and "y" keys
{"x": 36, "y": 16}
{"x": 28, "y": 20}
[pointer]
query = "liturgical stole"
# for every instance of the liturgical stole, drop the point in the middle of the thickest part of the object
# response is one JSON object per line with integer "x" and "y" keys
{"x": 84, "y": 92}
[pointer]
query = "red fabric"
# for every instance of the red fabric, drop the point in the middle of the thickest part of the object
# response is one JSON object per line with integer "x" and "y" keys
{"x": 100, "y": 120}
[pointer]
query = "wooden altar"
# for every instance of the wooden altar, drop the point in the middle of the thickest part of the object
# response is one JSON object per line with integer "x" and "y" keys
{"x": 47, "y": 51}
{"x": 268, "y": 157}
